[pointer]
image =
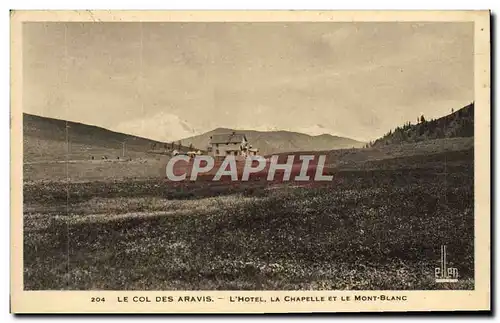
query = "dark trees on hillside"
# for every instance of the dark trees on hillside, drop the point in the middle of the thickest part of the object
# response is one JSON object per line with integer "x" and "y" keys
{"x": 458, "y": 124}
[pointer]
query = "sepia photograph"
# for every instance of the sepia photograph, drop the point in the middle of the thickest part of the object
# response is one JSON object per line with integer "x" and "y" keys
{"x": 245, "y": 155}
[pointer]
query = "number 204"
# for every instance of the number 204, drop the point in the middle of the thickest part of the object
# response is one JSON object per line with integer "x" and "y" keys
{"x": 97, "y": 299}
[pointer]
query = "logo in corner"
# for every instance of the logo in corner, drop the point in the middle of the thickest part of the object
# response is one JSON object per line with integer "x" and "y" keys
{"x": 443, "y": 273}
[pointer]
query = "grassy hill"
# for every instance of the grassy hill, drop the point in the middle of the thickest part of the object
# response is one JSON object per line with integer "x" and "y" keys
{"x": 272, "y": 142}
{"x": 48, "y": 139}
{"x": 457, "y": 124}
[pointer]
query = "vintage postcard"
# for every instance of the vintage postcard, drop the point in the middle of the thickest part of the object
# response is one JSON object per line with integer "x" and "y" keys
{"x": 250, "y": 161}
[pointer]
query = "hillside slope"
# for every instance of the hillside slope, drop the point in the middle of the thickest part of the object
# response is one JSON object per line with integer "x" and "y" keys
{"x": 45, "y": 139}
{"x": 457, "y": 124}
{"x": 272, "y": 142}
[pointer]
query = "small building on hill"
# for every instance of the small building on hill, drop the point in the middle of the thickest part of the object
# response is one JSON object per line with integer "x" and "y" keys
{"x": 230, "y": 144}
{"x": 253, "y": 151}
{"x": 191, "y": 153}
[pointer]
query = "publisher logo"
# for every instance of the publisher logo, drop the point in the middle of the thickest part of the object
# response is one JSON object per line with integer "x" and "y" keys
{"x": 443, "y": 273}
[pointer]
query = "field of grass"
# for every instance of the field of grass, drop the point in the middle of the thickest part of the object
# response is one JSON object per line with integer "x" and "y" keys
{"x": 379, "y": 225}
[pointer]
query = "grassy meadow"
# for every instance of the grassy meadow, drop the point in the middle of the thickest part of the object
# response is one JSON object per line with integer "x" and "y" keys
{"x": 379, "y": 224}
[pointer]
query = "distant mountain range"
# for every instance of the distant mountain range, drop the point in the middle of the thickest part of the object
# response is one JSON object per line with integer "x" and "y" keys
{"x": 47, "y": 139}
{"x": 272, "y": 142}
{"x": 459, "y": 123}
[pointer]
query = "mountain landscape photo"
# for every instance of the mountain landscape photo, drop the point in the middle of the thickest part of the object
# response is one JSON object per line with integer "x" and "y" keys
{"x": 438, "y": 158}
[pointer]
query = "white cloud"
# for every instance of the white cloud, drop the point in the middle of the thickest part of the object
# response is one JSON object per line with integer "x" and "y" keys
{"x": 162, "y": 126}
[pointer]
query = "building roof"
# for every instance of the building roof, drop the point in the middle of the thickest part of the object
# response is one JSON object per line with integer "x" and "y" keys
{"x": 227, "y": 138}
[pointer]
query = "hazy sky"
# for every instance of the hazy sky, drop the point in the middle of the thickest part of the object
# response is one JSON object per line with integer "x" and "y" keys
{"x": 170, "y": 80}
